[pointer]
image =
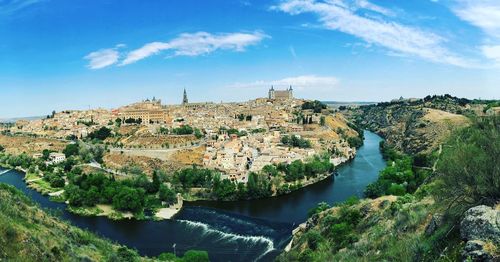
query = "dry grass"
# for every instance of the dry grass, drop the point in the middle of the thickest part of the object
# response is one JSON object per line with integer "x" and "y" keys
{"x": 189, "y": 157}
{"x": 19, "y": 144}
{"x": 439, "y": 116}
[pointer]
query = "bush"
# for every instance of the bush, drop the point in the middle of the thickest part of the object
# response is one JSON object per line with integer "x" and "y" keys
{"x": 313, "y": 239}
{"x": 71, "y": 150}
{"x": 318, "y": 209}
{"x": 315, "y": 105}
{"x": 295, "y": 141}
{"x": 195, "y": 256}
{"x": 355, "y": 141}
{"x": 397, "y": 190}
{"x": 183, "y": 130}
{"x": 469, "y": 166}
{"x": 167, "y": 195}
{"x": 100, "y": 134}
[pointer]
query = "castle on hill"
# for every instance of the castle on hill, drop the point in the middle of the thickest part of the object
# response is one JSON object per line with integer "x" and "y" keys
{"x": 286, "y": 94}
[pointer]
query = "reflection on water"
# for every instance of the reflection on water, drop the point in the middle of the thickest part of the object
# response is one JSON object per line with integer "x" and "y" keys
{"x": 229, "y": 231}
{"x": 292, "y": 208}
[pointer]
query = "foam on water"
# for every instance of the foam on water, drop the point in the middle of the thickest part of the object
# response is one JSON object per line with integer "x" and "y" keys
{"x": 233, "y": 237}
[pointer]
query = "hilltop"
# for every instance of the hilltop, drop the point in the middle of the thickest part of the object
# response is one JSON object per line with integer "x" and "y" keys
{"x": 416, "y": 125}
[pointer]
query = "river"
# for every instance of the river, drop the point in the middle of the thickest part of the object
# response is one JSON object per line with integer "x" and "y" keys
{"x": 256, "y": 230}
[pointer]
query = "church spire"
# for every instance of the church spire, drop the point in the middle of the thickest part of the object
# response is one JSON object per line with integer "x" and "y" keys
{"x": 185, "y": 97}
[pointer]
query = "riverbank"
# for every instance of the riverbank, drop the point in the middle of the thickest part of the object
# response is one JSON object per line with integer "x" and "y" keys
{"x": 243, "y": 225}
{"x": 38, "y": 184}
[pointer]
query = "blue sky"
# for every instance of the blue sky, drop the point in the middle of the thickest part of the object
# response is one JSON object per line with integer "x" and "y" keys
{"x": 57, "y": 55}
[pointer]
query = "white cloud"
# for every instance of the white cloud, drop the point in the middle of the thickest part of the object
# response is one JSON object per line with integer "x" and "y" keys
{"x": 102, "y": 58}
{"x": 492, "y": 52}
{"x": 304, "y": 82}
{"x": 372, "y": 7}
{"x": 341, "y": 15}
{"x": 145, "y": 51}
{"x": 196, "y": 44}
{"x": 484, "y": 14}
{"x": 8, "y": 7}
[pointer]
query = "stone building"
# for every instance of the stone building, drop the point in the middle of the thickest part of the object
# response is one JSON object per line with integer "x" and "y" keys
{"x": 149, "y": 111}
{"x": 280, "y": 94}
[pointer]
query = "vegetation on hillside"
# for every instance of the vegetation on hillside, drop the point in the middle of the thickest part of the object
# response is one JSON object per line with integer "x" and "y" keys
{"x": 315, "y": 105}
{"x": 417, "y": 214}
{"x": 29, "y": 234}
{"x": 295, "y": 141}
{"x": 415, "y": 125}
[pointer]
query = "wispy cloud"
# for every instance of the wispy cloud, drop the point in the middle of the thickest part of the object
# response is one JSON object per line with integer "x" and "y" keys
{"x": 196, "y": 44}
{"x": 304, "y": 82}
{"x": 103, "y": 58}
{"x": 364, "y": 4}
{"x": 341, "y": 15}
{"x": 484, "y": 14}
{"x": 8, "y": 7}
{"x": 292, "y": 52}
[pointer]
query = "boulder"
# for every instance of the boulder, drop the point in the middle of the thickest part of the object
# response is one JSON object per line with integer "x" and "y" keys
{"x": 474, "y": 251}
{"x": 481, "y": 223}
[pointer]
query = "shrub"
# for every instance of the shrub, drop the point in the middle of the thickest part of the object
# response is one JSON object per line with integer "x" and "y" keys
{"x": 469, "y": 166}
{"x": 318, "y": 209}
{"x": 313, "y": 238}
{"x": 397, "y": 190}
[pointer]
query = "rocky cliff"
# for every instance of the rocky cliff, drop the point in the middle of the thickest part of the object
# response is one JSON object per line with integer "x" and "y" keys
{"x": 414, "y": 126}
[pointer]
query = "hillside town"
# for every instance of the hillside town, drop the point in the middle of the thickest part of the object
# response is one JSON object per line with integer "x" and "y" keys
{"x": 233, "y": 138}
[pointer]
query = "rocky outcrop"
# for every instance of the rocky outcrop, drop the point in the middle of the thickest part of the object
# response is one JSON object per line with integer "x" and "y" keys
{"x": 411, "y": 126}
{"x": 475, "y": 250}
{"x": 480, "y": 227}
{"x": 481, "y": 222}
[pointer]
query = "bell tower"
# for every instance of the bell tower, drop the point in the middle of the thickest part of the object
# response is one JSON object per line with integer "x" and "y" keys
{"x": 271, "y": 93}
{"x": 185, "y": 97}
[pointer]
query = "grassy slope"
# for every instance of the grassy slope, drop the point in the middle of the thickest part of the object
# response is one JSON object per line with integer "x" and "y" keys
{"x": 29, "y": 234}
{"x": 390, "y": 229}
{"x": 394, "y": 228}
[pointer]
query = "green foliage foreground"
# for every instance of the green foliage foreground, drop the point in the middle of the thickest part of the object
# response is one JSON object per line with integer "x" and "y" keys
{"x": 29, "y": 234}
{"x": 395, "y": 227}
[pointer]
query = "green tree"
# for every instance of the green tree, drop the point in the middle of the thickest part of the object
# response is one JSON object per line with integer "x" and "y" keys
{"x": 195, "y": 256}
{"x": 71, "y": 150}
{"x": 258, "y": 186}
{"x": 468, "y": 169}
{"x": 224, "y": 189}
{"x": 155, "y": 185}
{"x": 100, "y": 134}
{"x": 168, "y": 195}
{"x": 129, "y": 199}
{"x": 197, "y": 133}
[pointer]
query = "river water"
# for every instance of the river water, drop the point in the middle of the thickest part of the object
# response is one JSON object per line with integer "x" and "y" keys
{"x": 256, "y": 230}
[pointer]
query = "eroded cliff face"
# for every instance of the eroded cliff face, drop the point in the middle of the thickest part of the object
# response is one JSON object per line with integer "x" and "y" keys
{"x": 412, "y": 126}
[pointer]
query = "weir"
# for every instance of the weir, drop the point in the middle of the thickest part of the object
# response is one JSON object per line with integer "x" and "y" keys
{"x": 5, "y": 171}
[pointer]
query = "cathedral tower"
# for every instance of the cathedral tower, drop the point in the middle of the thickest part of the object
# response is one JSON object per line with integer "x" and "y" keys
{"x": 185, "y": 97}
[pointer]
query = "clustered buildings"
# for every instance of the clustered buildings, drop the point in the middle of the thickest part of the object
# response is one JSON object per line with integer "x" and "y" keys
{"x": 238, "y": 137}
